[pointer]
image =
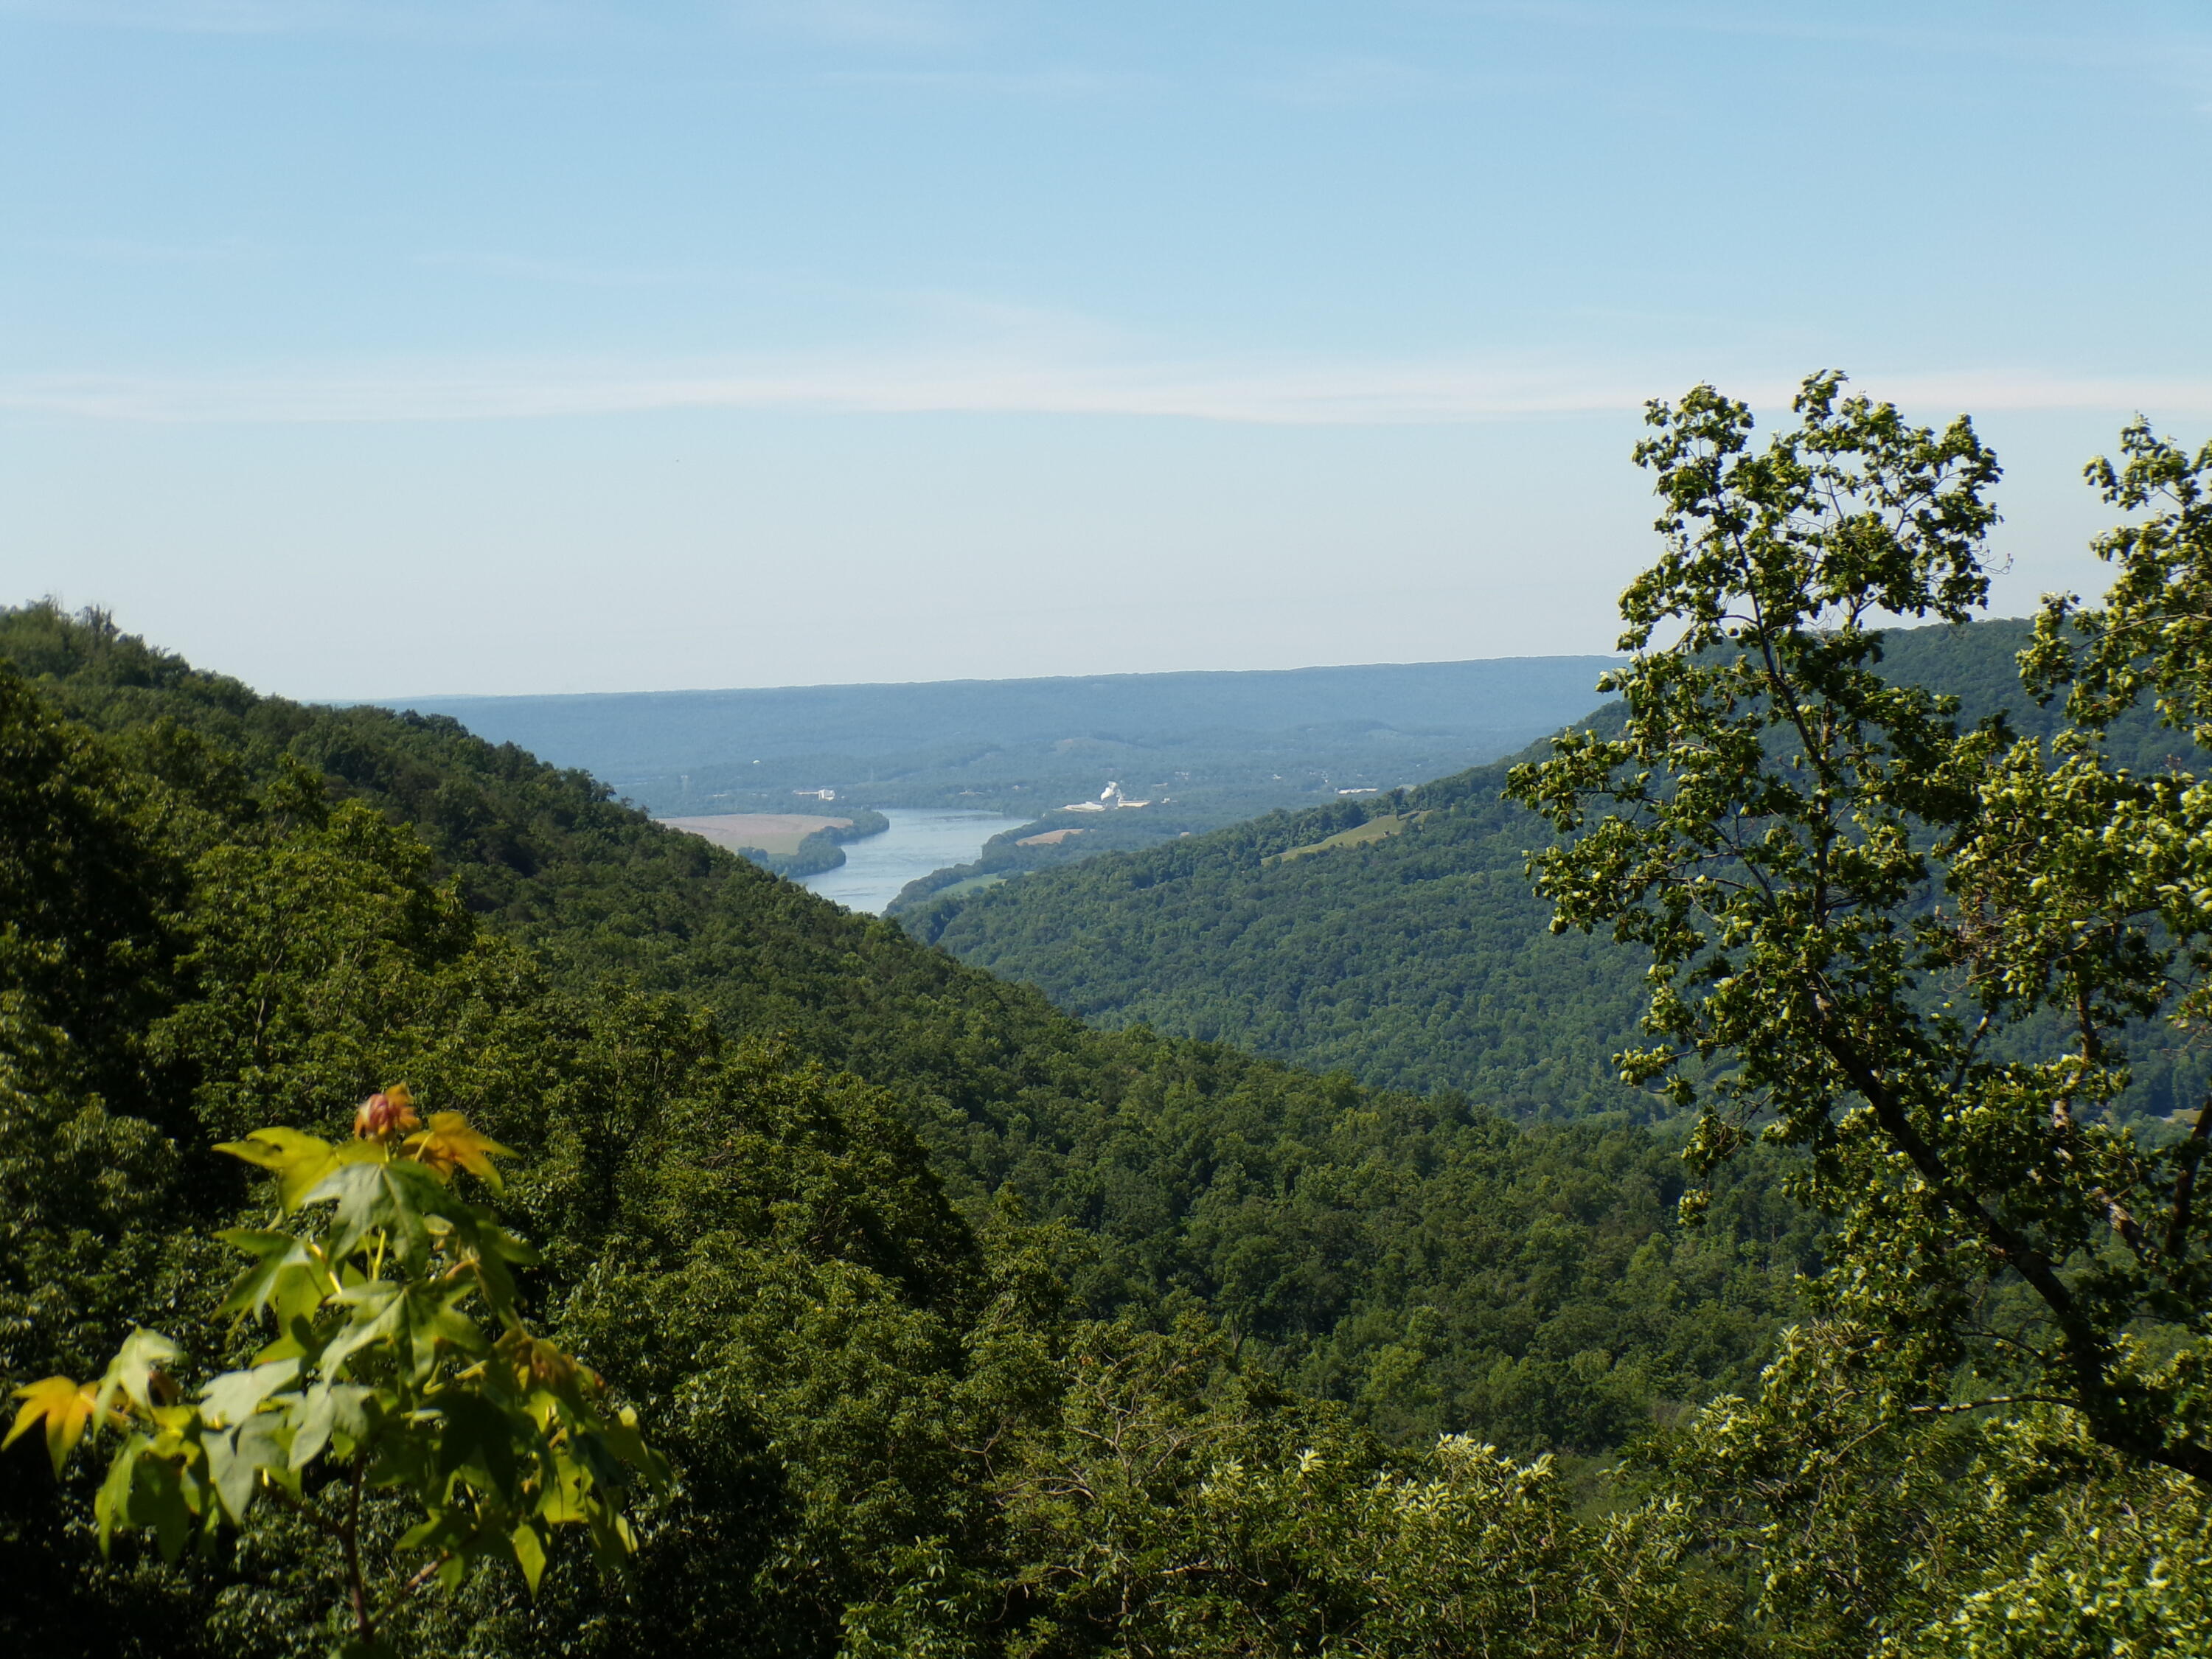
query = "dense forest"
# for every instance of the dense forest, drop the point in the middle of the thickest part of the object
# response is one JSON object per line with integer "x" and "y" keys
{"x": 932, "y": 1320}
{"x": 1416, "y": 957}
{"x": 300, "y": 904}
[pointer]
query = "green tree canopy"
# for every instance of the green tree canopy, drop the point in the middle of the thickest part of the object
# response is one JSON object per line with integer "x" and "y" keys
{"x": 1859, "y": 914}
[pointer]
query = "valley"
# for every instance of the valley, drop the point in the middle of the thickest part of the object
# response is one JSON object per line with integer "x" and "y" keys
{"x": 1197, "y": 749}
{"x": 1397, "y": 937}
{"x": 1202, "y": 1173}
{"x": 921, "y": 829}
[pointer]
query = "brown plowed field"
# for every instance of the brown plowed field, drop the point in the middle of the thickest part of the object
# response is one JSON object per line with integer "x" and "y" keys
{"x": 772, "y": 832}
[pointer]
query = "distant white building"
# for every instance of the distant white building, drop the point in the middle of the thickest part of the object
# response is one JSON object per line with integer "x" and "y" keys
{"x": 1109, "y": 799}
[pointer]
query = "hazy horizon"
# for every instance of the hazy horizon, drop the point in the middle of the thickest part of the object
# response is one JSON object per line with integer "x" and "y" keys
{"x": 962, "y": 679}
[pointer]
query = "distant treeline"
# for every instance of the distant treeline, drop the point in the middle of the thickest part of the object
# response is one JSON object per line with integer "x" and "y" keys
{"x": 1207, "y": 749}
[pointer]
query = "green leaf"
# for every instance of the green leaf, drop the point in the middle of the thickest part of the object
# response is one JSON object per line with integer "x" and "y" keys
{"x": 397, "y": 1199}
{"x": 624, "y": 1439}
{"x": 157, "y": 1500}
{"x": 111, "y": 1507}
{"x": 435, "y": 1324}
{"x": 235, "y": 1396}
{"x": 266, "y": 1441}
{"x": 297, "y": 1160}
{"x": 474, "y": 1433}
{"x": 233, "y": 1471}
{"x": 378, "y": 1314}
{"x": 491, "y": 1247}
{"x": 530, "y": 1552}
{"x": 564, "y": 1498}
{"x": 327, "y": 1409}
{"x": 312, "y": 1420}
{"x": 275, "y": 1255}
{"x": 131, "y": 1372}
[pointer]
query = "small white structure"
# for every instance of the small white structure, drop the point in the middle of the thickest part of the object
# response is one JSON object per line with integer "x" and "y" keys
{"x": 1109, "y": 799}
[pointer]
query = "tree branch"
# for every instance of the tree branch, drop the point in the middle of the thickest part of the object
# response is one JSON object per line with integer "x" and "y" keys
{"x": 2087, "y": 1353}
{"x": 314, "y": 1517}
{"x": 2184, "y": 1188}
{"x": 357, "y": 1586}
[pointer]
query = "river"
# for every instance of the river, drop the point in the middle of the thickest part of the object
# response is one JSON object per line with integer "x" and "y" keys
{"x": 920, "y": 840}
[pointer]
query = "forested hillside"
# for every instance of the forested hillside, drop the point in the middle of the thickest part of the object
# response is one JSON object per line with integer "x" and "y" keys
{"x": 791, "y": 1172}
{"x": 1416, "y": 957}
{"x": 959, "y": 1328}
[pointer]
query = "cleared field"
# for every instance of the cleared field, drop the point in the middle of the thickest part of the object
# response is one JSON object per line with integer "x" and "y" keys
{"x": 775, "y": 833}
{"x": 975, "y": 883}
{"x": 1360, "y": 835}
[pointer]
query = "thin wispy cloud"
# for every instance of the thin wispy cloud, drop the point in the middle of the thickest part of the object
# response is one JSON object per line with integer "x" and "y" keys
{"x": 1046, "y": 82}
{"x": 561, "y": 273}
{"x": 1350, "y": 81}
{"x": 2050, "y": 36}
{"x": 1287, "y": 393}
{"x": 896, "y": 24}
{"x": 196, "y": 17}
{"x": 448, "y": 20}
{"x": 133, "y": 251}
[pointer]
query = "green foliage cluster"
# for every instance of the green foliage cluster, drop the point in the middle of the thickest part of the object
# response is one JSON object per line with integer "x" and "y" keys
{"x": 1850, "y": 903}
{"x": 380, "y": 1366}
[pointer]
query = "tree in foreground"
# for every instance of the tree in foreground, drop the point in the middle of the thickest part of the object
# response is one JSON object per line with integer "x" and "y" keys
{"x": 1917, "y": 953}
{"x": 399, "y": 1364}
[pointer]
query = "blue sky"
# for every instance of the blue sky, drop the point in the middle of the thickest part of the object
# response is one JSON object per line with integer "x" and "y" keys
{"x": 369, "y": 349}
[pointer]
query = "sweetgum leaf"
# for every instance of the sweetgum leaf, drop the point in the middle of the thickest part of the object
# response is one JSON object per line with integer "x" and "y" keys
{"x": 233, "y": 1470}
{"x": 297, "y": 1160}
{"x": 275, "y": 1255}
{"x": 449, "y": 1142}
{"x": 530, "y": 1554}
{"x": 63, "y": 1405}
{"x": 235, "y": 1396}
{"x": 396, "y": 1199}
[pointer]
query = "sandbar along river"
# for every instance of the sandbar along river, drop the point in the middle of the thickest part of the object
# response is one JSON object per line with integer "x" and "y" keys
{"x": 921, "y": 840}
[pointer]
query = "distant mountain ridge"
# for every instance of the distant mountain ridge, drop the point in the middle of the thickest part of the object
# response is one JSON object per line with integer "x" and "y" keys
{"x": 1225, "y": 743}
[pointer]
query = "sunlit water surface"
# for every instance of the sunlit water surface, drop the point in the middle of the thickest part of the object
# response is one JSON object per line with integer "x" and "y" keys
{"x": 920, "y": 840}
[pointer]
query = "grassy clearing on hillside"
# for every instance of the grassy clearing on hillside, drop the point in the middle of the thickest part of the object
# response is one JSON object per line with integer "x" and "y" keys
{"x": 975, "y": 884}
{"x": 1360, "y": 835}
